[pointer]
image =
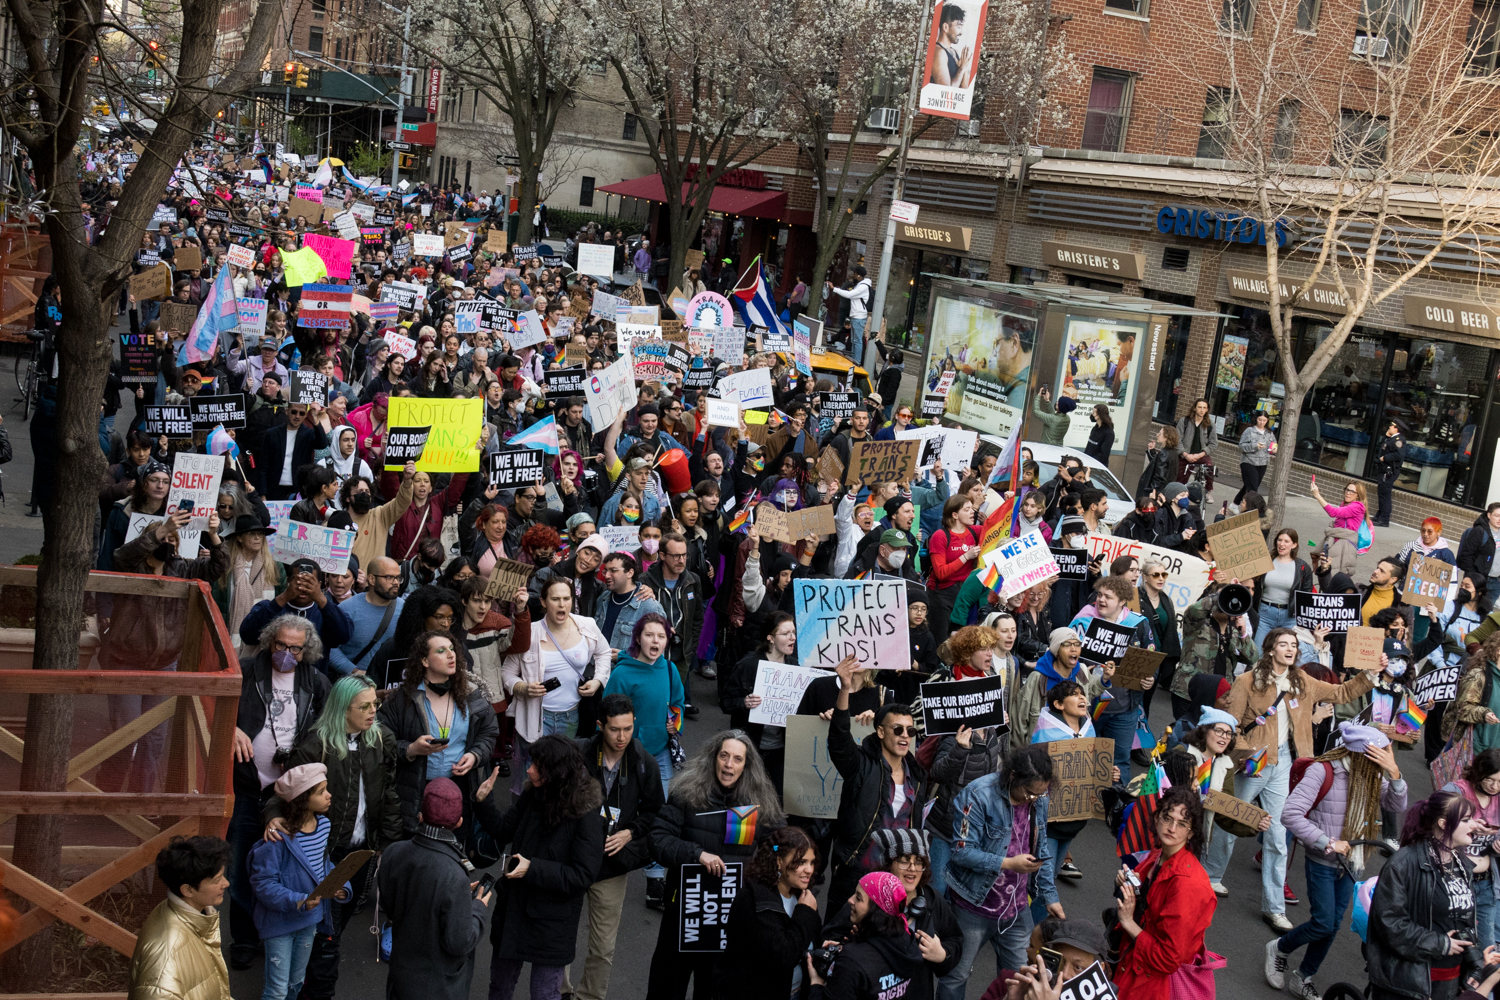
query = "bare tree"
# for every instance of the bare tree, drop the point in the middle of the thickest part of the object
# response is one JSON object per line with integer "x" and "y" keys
{"x": 493, "y": 142}
{"x": 700, "y": 88}
{"x": 44, "y": 110}
{"x": 1367, "y": 167}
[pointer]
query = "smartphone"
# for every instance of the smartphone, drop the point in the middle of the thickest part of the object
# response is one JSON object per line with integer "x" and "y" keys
{"x": 551, "y": 683}
{"x": 185, "y": 505}
{"x": 1052, "y": 960}
{"x": 439, "y": 741}
{"x": 485, "y": 885}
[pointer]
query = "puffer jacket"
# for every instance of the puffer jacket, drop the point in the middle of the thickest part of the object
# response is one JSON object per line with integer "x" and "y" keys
{"x": 1319, "y": 825}
{"x": 179, "y": 956}
{"x": 1402, "y": 945}
{"x": 955, "y": 767}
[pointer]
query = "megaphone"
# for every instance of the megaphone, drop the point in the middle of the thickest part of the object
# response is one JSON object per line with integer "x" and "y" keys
{"x": 1234, "y": 599}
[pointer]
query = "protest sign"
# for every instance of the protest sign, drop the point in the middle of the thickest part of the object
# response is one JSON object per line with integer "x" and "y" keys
{"x": 328, "y": 547}
{"x": 872, "y": 462}
{"x": 279, "y": 510}
{"x": 1239, "y": 548}
{"x": 310, "y": 210}
{"x": 1226, "y": 805}
{"x": 1426, "y": 582}
{"x": 308, "y": 193}
{"x": 309, "y": 387}
{"x": 366, "y": 214}
{"x": 779, "y": 341}
{"x": 162, "y": 214}
{"x": 195, "y": 480}
{"x": 933, "y": 406}
{"x": 597, "y": 259}
{"x": 507, "y": 577}
{"x": 1081, "y": 769}
{"x": 372, "y": 236}
{"x": 325, "y": 307}
{"x": 565, "y": 383}
{"x": 728, "y": 344}
{"x": 187, "y": 259}
{"x": 1090, "y": 984}
{"x": 148, "y": 258}
{"x": 1187, "y": 575}
{"x": 770, "y": 521}
{"x": 209, "y": 411}
{"x": 811, "y": 785}
{"x": 426, "y": 245}
{"x": 1072, "y": 564}
{"x": 606, "y": 306}
{"x": 138, "y": 356}
{"x": 723, "y": 413}
{"x": 698, "y": 377}
{"x": 978, "y": 704}
{"x": 405, "y": 444}
{"x": 401, "y": 344}
{"x": 621, "y": 537}
{"x": 495, "y": 240}
{"x": 152, "y": 284}
{"x": 512, "y": 467}
{"x": 524, "y": 252}
{"x": 177, "y": 317}
{"x": 174, "y": 421}
{"x": 678, "y": 360}
{"x": 383, "y": 312}
{"x": 1437, "y": 686}
{"x": 608, "y": 391}
{"x": 1024, "y": 562}
{"x": 140, "y": 522}
{"x": 408, "y": 295}
{"x": 748, "y": 388}
{"x": 240, "y": 256}
{"x": 673, "y": 330}
{"x": 455, "y": 423}
{"x": 805, "y": 332}
{"x": 779, "y": 687}
{"x": 839, "y": 405}
{"x": 459, "y": 254}
{"x": 865, "y": 619}
{"x": 649, "y": 360}
{"x": 815, "y": 520}
{"x": 830, "y": 466}
{"x": 1339, "y": 612}
{"x": 336, "y": 254}
{"x": 529, "y": 330}
{"x": 1363, "y": 647}
{"x": 1104, "y": 641}
{"x": 703, "y": 901}
{"x": 709, "y": 309}
{"x": 1135, "y": 666}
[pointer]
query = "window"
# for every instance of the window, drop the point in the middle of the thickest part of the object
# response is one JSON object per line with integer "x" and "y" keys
{"x": 319, "y": 8}
{"x": 1384, "y": 29}
{"x": 1237, "y": 16}
{"x": 1141, "y": 7}
{"x": 1109, "y": 109}
{"x": 1307, "y": 15}
{"x": 586, "y": 192}
{"x": 860, "y": 209}
{"x": 1215, "y": 137}
{"x": 315, "y": 40}
{"x": 1361, "y": 139}
{"x": 1027, "y": 275}
{"x": 630, "y": 128}
{"x": 1481, "y": 44}
{"x": 1174, "y": 259}
{"x": 1284, "y": 137}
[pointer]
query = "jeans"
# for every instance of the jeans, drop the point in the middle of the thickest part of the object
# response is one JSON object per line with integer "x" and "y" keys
{"x": 1120, "y": 727}
{"x": 137, "y": 767}
{"x": 565, "y": 723}
{"x": 1273, "y": 618}
{"x": 1491, "y": 590}
{"x": 546, "y": 980}
{"x": 1329, "y": 892}
{"x": 664, "y": 764}
{"x": 1059, "y": 847}
{"x": 941, "y": 852}
{"x": 286, "y": 963}
{"x": 321, "y": 981}
{"x": 1484, "y": 909}
{"x": 1271, "y": 785}
{"x": 1008, "y": 938}
{"x": 859, "y": 329}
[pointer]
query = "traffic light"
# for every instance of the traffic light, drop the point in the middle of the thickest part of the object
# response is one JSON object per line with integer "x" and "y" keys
{"x": 408, "y": 161}
{"x": 289, "y": 72}
{"x": 301, "y": 77}
{"x": 153, "y": 59}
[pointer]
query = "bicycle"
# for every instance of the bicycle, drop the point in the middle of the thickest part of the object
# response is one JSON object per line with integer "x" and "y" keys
{"x": 29, "y": 372}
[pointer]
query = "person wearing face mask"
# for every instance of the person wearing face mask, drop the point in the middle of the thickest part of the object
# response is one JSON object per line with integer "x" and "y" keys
{"x": 1140, "y": 524}
{"x": 1070, "y": 595}
{"x": 1175, "y": 525}
{"x": 372, "y": 521}
{"x": 282, "y": 695}
{"x": 887, "y": 556}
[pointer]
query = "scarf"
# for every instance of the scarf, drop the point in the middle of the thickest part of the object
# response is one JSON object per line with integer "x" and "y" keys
{"x": 1051, "y": 727}
{"x": 246, "y": 581}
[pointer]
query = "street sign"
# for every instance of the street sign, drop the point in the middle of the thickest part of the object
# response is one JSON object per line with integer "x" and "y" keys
{"x": 404, "y": 147}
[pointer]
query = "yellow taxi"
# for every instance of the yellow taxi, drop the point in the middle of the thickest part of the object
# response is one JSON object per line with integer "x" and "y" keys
{"x": 837, "y": 369}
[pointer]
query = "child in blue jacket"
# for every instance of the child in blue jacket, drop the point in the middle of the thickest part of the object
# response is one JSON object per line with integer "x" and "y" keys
{"x": 284, "y": 872}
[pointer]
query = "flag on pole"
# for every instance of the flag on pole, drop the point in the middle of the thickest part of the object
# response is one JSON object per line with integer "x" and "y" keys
{"x": 752, "y": 298}
{"x": 219, "y": 314}
{"x": 324, "y": 176}
{"x": 542, "y": 434}
{"x": 219, "y": 443}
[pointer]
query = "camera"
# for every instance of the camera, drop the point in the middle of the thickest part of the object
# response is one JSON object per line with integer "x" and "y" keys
{"x": 1134, "y": 880}
{"x": 281, "y": 756}
{"x": 823, "y": 959}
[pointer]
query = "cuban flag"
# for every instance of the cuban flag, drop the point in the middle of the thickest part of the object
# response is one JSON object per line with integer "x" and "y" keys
{"x": 542, "y": 434}
{"x": 324, "y": 307}
{"x": 219, "y": 314}
{"x": 752, "y": 297}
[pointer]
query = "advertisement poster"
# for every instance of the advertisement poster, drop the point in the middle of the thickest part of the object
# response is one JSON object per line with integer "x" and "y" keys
{"x": 1232, "y": 354}
{"x": 1099, "y": 361}
{"x": 983, "y": 352}
{"x": 953, "y": 58}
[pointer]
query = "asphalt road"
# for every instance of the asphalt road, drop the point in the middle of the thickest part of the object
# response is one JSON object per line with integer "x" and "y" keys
{"x": 1237, "y": 931}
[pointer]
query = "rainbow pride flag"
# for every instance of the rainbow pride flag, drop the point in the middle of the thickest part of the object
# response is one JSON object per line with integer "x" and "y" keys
{"x": 1203, "y": 777}
{"x": 1411, "y": 717}
{"x": 991, "y": 578}
{"x": 1104, "y": 699}
{"x": 1256, "y": 762}
{"x": 739, "y": 824}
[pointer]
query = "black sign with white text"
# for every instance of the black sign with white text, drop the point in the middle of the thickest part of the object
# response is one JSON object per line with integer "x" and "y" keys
{"x": 976, "y": 704}
{"x": 565, "y": 383}
{"x": 1104, "y": 641}
{"x": 210, "y": 411}
{"x": 1074, "y": 563}
{"x": 513, "y": 467}
{"x": 173, "y": 421}
{"x": 1339, "y": 612}
{"x": 703, "y": 901}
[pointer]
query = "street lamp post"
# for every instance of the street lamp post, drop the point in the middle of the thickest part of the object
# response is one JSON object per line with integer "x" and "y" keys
{"x": 401, "y": 100}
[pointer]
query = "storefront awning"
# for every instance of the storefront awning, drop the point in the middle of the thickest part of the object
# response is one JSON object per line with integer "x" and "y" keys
{"x": 1073, "y": 295}
{"x": 725, "y": 200}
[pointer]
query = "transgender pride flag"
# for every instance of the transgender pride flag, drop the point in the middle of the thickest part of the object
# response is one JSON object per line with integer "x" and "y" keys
{"x": 220, "y": 314}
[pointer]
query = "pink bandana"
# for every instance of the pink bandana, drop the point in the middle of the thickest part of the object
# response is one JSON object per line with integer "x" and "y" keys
{"x": 885, "y": 891}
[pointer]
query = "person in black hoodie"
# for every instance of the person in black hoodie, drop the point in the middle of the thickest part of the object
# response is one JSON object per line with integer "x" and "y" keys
{"x": 772, "y": 921}
{"x": 1140, "y": 524}
{"x": 631, "y": 784}
{"x": 691, "y": 830}
{"x": 739, "y": 698}
{"x": 930, "y": 921}
{"x": 881, "y": 957}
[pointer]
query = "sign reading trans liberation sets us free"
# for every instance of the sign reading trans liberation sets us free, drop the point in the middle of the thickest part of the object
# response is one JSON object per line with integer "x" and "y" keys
{"x": 865, "y": 619}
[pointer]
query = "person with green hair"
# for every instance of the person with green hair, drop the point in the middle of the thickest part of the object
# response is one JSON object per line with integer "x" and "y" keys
{"x": 365, "y": 814}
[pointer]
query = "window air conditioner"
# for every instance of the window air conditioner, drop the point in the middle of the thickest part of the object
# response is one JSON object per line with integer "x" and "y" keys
{"x": 884, "y": 119}
{"x": 968, "y": 129}
{"x": 1369, "y": 45}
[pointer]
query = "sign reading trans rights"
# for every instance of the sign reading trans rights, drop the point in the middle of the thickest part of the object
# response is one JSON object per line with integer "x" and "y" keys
{"x": 865, "y": 619}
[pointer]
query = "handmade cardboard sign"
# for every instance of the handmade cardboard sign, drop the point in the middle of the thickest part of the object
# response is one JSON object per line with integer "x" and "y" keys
{"x": 178, "y": 317}
{"x": 1426, "y": 582}
{"x": 1239, "y": 548}
{"x": 811, "y": 784}
{"x": 152, "y": 284}
{"x": 1136, "y": 666}
{"x": 1236, "y": 809}
{"x": 507, "y": 577}
{"x": 1081, "y": 769}
{"x": 1363, "y": 647}
{"x": 872, "y": 462}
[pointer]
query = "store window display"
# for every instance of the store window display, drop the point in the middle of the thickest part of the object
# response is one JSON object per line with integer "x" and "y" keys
{"x": 1436, "y": 397}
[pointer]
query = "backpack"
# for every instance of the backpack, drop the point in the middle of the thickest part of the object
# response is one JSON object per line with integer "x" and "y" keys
{"x": 1299, "y": 768}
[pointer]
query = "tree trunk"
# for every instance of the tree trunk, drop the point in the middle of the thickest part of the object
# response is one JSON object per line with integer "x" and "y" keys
{"x": 1279, "y": 472}
{"x": 526, "y": 202}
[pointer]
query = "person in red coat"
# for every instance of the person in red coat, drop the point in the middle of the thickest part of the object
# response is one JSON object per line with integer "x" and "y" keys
{"x": 1179, "y": 903}
{"x": 954, "y": 553}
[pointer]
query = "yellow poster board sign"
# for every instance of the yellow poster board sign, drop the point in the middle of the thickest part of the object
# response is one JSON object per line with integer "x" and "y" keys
{"x": 455, "y": 423}
{"x": 302, "y": 267}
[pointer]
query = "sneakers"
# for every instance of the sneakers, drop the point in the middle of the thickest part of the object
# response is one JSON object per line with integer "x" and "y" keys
{"x": 1069, "y": 870}
{"x": 708, "y": 670}
{"x": 1302, "y": 988}
{"x": 1277, "y": 922}
{"x": 1275, "y": 964}
{"x": 1392, "y": 844}
{"x": 656, "y": 893}
{"x": 1290, "y": 896}
{"x": 1218, "y": 888}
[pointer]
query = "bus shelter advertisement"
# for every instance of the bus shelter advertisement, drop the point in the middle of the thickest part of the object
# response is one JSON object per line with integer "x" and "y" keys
{"x": 982, "y": 349}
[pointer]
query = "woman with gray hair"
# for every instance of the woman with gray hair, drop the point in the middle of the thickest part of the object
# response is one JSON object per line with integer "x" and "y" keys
{"x": 1161, "y": 615}
{"x": 720, "y": 803}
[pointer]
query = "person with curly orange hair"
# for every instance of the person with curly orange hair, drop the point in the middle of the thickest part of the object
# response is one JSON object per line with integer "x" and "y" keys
{"x": 539, "y": 545}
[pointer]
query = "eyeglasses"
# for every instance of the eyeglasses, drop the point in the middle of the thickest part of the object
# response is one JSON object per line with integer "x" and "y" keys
{"x": 442, "y": 618}
{"x": 385, "y": 576}
{"x": 1223, "y": 731}
{"x": 282, "y": 647}
{"x": 899, "y": 730}
{"x": 910, "y": 861}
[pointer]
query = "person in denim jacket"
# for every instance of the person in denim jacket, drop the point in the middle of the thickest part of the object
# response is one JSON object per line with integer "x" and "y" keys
{"x": 999, "y": 855}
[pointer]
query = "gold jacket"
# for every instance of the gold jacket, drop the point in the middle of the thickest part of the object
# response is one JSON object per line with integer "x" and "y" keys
{"x": 178, "y": 956}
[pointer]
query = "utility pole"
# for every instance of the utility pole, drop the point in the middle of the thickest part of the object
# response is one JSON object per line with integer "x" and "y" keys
{"x": 887, "y": 248}
{"x": 401, "y": 100}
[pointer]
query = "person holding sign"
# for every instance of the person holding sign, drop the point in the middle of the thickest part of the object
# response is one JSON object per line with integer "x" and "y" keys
{"x": 773, "y": 919}
{"x": 739, "y": 698}
{"x": 1273, "y": 705}
{"x": 1273, "y": 591}
{"x": 1338, "y": 800}
{"x": 697, "y": 827}
{"x": 148, "y": 496}
{"x": 1122, "y": 713}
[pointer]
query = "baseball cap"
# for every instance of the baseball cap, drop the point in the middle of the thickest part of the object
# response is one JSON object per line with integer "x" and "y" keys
{"x": 1082, "y": 934}
{"x": 895, "y": 539}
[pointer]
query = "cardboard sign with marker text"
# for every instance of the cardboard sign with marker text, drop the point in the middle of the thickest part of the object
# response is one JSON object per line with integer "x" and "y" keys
{"x": 872, "y": 462}
{"x": 1363, "y": 647}
{"x": 1426, "y": 582}
{"x": 1081, "y": 769}
{"x": 1239, "y": 548}
{"x": 772, "y": 523}
{"x": 178, "y": 316}
{"x": 830, "y": 466}
{"x": 507, "y": 577}
{"x": 152, "y": 284}
{"x": 1236, "y": 809}
{"x": 1137, "y": 665}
